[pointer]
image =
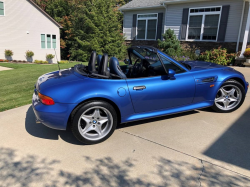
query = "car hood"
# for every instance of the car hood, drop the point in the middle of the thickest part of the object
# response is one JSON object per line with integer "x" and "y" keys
{"x": 200, "y": 65}
{"x": 57, "y": 77}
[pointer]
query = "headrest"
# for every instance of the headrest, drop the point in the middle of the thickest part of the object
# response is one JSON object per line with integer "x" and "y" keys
{"x": 102, "y": 69}
{"x": 91, "y": 65}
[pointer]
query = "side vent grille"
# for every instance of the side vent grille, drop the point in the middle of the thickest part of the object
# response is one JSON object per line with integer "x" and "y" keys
{"x": 210, "y": 79}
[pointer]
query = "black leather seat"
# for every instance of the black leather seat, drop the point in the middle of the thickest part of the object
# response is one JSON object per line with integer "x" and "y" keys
{"x": 91, "y": 65}
{"x": 102, "y": 69}
{"x": 115, "y": 68}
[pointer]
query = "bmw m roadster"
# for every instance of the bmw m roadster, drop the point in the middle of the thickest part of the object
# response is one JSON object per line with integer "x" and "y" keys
{"x": 93, "y": 99}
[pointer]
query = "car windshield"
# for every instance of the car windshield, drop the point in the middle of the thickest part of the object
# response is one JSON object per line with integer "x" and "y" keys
{"x": 146, "y": 54}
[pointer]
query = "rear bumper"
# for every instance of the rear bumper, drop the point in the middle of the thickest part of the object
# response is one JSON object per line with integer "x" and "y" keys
{"x": 54, "y": 116}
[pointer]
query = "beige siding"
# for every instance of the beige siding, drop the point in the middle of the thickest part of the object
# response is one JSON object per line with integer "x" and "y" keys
{"x": 174, "y": 16}
{"x": 128, "y": 20}
{"x": 22, "y": 17}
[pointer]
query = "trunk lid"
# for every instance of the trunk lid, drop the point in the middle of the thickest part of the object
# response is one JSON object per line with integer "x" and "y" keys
{"x": 57, "y": 77}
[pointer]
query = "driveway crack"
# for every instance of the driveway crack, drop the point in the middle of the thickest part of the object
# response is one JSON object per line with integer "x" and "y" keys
{"x": 203, "y": 168}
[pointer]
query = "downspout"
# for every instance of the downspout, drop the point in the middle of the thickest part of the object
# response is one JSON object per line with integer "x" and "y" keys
{"x": 166, "y": 7}
{"x": 241, "y": 22}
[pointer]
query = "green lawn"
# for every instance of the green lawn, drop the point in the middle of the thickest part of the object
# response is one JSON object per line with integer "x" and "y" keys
{"x": 17, "y": 85}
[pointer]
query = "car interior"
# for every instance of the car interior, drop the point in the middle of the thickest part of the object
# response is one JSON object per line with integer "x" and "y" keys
{"x": 141, "y": 63}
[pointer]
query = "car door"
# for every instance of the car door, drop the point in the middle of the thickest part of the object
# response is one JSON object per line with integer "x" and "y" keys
{"x": 161, "y": 92}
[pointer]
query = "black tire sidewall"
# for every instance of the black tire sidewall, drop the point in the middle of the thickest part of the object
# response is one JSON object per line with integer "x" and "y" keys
{"x": 82, "y": 108}
{"x": 235, "y": 83}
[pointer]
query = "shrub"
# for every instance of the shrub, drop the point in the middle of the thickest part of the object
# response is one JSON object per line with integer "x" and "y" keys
{"x": 182, "y": 58}
{"x": 218, "y": 56}
{"x": 8, "y": 52}
{"x": 170, "y": 44}
{"x": 50, "y": 56}
{"x": 40, "y": 62}
{"x": 29, "y": 54}
{"x": 64, "y": 62}
{"x": 247, "y": 53}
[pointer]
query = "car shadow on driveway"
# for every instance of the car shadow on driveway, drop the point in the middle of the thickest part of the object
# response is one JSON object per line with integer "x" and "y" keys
{"x": 233, "y": 146}
{"x": 41, "y": 131}
{"x": 141, "y": 122}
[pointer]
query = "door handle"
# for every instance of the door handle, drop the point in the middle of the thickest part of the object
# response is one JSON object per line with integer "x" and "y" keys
{"x": 139, "y": 88}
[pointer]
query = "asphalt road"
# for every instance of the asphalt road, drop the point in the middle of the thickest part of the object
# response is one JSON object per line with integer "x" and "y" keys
{"x": 198, "y": 148}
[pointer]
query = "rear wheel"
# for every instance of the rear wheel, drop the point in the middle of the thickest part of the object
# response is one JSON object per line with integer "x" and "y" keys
{"x": 229, "y": 97}
{"x": 94, "y": 122}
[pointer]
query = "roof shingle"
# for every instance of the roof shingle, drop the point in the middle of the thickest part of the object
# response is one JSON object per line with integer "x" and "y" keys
{"x": 141, "y": 3}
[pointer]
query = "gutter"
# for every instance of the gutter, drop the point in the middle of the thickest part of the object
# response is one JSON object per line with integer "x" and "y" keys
{"x": 241, "y": 22}
{"x": 136, "y": 8}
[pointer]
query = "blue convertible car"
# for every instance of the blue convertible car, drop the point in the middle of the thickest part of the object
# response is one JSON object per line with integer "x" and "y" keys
{"x": 93, "y": 99}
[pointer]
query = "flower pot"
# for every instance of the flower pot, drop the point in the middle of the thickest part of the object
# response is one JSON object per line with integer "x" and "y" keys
{"x": 248, "y": 60}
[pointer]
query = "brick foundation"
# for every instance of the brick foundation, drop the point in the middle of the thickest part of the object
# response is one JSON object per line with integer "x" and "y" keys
{"x": 203, "y": 46}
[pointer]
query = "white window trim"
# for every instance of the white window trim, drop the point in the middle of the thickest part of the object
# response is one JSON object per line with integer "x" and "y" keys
{"x": 50, "y": 42}
{"x": 146, "y": 30}
{"x": 3, "y": 9}
{"x": 203, "y": 21}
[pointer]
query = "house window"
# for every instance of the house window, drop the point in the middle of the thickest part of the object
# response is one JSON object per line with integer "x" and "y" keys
{"x": 1, "y": 9}
{"x": 48, "y": 41}
{"x": 43, "y": 42}
{"x": 146, "y": 26}
{"x": 54, "y": 41}
{"x": 203, "y": 24}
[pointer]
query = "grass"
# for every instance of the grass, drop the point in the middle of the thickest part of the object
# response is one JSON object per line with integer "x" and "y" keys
{"x": 17, "y": 85}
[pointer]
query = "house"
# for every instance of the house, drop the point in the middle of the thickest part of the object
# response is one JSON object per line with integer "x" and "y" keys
{"x": 199, "y": 24}
{"x": 25, "y": 26}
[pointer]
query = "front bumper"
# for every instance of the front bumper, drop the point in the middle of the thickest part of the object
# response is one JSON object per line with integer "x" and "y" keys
{"x": 54, "y": 116}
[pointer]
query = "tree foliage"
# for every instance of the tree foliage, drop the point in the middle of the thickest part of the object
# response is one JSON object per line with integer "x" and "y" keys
{"x": 170, "y": 44}
{"x": 88, "y": 25}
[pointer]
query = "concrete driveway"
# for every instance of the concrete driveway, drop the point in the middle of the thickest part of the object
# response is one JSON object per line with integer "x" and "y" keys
{"x": 198, "y": 148}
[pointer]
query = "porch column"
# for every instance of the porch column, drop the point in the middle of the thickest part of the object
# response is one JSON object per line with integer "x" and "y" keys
{"x": 244, "y": 45}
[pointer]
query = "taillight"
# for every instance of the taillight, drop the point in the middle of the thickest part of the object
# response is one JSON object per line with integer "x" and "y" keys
{"x": 45, "y": 99}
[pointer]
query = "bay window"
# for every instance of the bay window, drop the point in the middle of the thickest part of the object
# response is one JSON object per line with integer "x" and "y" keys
{"x": 146, "y": 26}
{"x": 203, "y": 24}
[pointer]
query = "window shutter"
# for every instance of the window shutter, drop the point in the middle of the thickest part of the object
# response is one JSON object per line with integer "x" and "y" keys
{"x": 133, "y": 33}
{"x": 223, "y": 23}
{"x": 159, "y": 26}
{"x": 184, "y": 23}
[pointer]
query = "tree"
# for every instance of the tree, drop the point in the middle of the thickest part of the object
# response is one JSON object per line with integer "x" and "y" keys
{"x": 170, "y": 44}
{"x": 96, "y": 26}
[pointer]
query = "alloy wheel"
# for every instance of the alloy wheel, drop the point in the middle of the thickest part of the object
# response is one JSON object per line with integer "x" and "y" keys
{"x": 95, "y": 123}
{"x": 228, "y": 97}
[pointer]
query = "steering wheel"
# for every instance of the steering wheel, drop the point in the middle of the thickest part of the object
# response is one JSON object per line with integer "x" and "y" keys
{"x": 137, "y": 69}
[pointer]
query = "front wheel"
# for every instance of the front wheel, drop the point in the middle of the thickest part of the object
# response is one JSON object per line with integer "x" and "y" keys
{"x": 229, "y": 97}
{"x": 94, "y": 122}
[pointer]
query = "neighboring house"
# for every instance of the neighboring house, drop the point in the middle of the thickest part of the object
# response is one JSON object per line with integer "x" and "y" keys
{"x": 25, "y": 26}
{"x": 202, "y": 24}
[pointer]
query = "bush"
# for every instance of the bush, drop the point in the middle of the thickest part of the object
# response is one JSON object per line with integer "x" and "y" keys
{"x": 218, "y": 56}
{"x": 170, "y": 44}
{"x": 8, "y": 52}
{"x": 64, "y": 62}
{"x": 50, "y": 56}
{"x": 40, "y": 62}
{"x": 29, "y": 54}
{"x": 247, "y": 53}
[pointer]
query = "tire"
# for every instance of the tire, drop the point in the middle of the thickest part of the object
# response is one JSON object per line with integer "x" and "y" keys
{"x": 227, "y": 100}
{"x": 93, "y": 122}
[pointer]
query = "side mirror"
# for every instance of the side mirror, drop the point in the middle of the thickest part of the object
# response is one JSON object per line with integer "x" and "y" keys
{"x": 171, "y": 74}
{"x": 127, "y": 61}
